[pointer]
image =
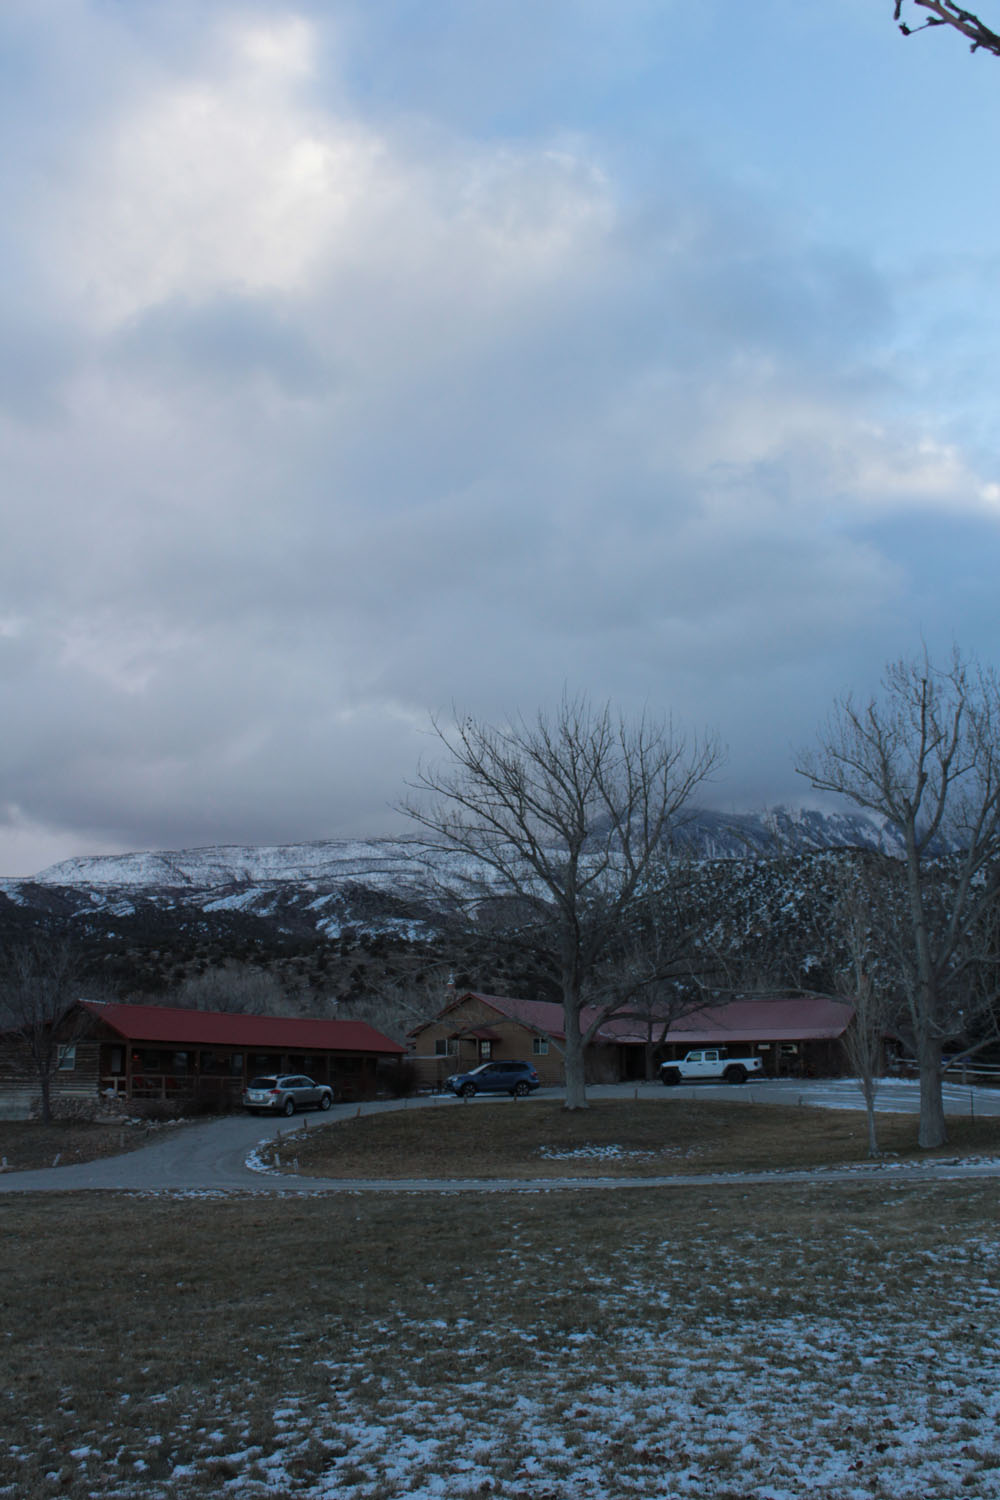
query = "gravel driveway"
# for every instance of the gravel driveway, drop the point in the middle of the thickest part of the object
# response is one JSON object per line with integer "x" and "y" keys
{"x": 212, "y": 1157}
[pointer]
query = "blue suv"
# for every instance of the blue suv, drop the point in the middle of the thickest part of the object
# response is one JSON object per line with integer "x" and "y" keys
{"x": 517, "y": 1078}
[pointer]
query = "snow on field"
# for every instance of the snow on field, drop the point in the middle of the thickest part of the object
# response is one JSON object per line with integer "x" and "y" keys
{"x": 903, "y": 1413}
{"x": 766, "y": 1405}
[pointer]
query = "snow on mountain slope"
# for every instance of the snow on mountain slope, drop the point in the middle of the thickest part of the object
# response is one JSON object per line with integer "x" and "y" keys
{"x": 401, "y": 864}
{"x": 379, "y": 863}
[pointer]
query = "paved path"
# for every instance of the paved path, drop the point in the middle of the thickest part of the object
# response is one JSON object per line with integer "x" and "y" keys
{"x": 211, "y": 1157}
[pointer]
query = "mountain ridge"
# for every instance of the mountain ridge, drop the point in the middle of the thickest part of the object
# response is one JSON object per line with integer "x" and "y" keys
{"x": 394, "y": 863}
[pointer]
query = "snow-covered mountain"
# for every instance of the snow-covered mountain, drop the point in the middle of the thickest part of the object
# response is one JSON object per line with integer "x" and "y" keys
{"x": 400, "y": 866}
{"x": 382, "y": 864}
{"x": 151, "y": 920}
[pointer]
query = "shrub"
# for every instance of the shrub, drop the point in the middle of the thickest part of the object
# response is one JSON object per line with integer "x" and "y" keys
{"x": 397, "y": 1080}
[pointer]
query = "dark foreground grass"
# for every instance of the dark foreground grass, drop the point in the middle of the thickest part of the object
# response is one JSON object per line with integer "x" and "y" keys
{"x": 28, "y": 1144}
{"x": 612, "y": 1138}
{"x": 724, "y": 1343}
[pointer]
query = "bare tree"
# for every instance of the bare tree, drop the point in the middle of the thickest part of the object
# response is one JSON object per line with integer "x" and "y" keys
{"x": 39, "y": 981}
{"x": 562, "y": 817}
{"x": 947, "y": 13}
{"x": 661, "y": 966}
{"x": 858, "y": 923}
{"x": 234, "y": 986}
{"x": 925, "y": 756}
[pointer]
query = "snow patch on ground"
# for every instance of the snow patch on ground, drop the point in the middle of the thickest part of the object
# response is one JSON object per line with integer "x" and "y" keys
{"x": 592, "y": 1153}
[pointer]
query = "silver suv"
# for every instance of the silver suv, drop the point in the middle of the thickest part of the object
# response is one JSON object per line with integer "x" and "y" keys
{"x": 284, "y": 1093}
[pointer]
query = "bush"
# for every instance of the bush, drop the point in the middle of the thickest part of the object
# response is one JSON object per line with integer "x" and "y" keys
{"x": 182, "y": 1107}
{"x": 84, "y": 1110}
{"x": 397, "y": 1080}
{"x": 157, "y": 1111}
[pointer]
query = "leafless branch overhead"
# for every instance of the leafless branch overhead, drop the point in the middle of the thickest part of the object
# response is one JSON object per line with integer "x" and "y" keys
{"x": 946, "y": 13}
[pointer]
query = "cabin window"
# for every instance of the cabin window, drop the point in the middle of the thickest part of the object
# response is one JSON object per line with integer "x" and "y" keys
{"x": 213, "y": 1063}
{"x": 67, "y": 1057}
{"x": 540, "y": 1046}
{"x": 445, "y": 1046}
{"x": 152, "y": 1060}
{"x": 485, "y": 1049}
{"x": 265, "y": 1062}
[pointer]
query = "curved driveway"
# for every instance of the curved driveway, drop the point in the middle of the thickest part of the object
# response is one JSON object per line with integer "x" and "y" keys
{"x": 212, "y": 1157}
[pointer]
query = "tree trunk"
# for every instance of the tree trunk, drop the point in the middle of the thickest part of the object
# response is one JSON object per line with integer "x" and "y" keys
{"x": 933, "y": 1131}
{"x": 869, "y": 1092}
{"x": 44, "y": 1081}
{"x": 576, "y": 1086}
{"x": 872, "y": 1132}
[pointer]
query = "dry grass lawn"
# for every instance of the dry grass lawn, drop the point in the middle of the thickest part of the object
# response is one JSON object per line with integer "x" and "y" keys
{"x": 27, "y": 1144}
{"x": 613, "y": 1138}
{"x": 719, "y": 1343}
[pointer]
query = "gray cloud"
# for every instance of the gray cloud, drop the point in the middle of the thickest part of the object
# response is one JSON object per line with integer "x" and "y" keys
{"x": 323, "y": 417}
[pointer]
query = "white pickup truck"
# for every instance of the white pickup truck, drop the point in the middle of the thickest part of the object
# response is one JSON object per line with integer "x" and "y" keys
{"x": 709, "y": 1064}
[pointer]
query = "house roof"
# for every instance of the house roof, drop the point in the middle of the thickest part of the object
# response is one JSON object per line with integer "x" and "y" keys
{"x": 799, "y": 1018}
{"x": 214, "y": 1028}
{"x": 541, "y": 1016}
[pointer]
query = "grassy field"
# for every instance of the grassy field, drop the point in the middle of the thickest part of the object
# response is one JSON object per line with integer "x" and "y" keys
{"x": 665, "y": 1135}
{"x": 726, "y": 1343}
{"x": 27, "y": 1144}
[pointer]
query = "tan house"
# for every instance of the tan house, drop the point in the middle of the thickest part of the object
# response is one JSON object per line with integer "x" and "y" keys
{"x": 798, "y": 1035}
{"x": 474, "y": 1028}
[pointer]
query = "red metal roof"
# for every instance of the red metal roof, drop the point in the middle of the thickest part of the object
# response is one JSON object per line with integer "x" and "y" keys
{"x": 805, "y": 1018}
{"x": 800, "y": 1018}
{"x": 214, "y": 1028}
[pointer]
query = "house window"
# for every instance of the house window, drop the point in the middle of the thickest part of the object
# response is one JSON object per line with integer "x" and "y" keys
{"x": 540, "y": 1046}
{"x": 485, "y": 1049}
{"x": 67, "y": 1057}
{"x": 445, "y": 1046}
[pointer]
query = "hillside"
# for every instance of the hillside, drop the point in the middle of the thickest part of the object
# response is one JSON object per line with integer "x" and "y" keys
{"x": 357, "y": 924}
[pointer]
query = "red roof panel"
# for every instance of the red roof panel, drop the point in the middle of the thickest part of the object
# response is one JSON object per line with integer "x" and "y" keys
{"x": 214, "y": 1028}
{"x": 800, "y": 1018}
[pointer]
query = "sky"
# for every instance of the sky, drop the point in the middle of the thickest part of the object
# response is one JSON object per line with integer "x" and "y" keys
{"x": 368, "y": 360}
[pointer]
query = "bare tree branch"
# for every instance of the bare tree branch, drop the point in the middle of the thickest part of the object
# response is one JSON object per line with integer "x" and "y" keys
{"x": 946, "y": 13}
{"x": 39, "y": 980}
{"x": 925, "y": 755}
{"x": 562, "y": 819}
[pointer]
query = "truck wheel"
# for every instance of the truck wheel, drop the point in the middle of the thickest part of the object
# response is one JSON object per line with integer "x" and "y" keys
{"x": 670, "y": 1077}
{"x": 735, "y": 1075}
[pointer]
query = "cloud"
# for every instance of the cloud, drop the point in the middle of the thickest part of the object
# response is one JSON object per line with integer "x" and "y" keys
{"x": 325, "y": 415}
